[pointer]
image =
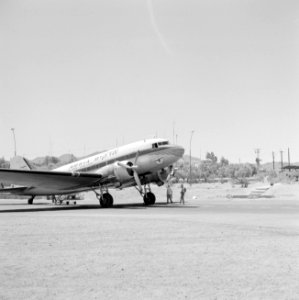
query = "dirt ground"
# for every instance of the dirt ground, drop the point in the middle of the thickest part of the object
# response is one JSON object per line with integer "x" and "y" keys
{"x": 214, "y": 247}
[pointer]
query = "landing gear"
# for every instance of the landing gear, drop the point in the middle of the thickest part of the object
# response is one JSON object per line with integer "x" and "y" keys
{"x": 149, "y": 198}
{"x": 30, "y": 200}
{"x": 106, "y": 200}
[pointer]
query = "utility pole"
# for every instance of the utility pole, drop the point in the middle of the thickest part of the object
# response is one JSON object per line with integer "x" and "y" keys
{"x": 257, "y": 160}
{"x": 273, "y": 160}
{"x": 281, "y": 158}
{"x": 15, "y": 144}
{"x": 190, "y": 174}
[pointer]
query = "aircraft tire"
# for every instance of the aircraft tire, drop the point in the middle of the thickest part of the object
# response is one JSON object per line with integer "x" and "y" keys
{"x": 30, "y": 200}
{"x": 149, "y": 198}
{"x": 106, "y": 201}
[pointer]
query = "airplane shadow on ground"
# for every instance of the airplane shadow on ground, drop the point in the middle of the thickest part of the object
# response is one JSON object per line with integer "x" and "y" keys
{"x": 157, "y": 205}
{"x": 48, "y": 207}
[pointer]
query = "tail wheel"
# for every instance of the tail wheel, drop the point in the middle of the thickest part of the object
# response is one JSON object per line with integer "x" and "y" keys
{"x": 149, "y": 198}
{"x": 106, "y": 200}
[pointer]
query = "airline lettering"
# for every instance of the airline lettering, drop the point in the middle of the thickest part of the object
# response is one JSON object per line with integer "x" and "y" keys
{"x": 100, "y": 158}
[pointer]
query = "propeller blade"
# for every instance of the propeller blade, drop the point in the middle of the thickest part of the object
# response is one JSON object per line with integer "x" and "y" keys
{"x": 122, "y": 164}
{"x": 137, "y": 179}
{"x": 168, "y": 177}
{"x": 136, "y": 157}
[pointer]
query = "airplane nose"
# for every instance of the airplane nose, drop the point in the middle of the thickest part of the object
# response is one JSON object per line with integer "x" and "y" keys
{"x": 178, "y": 151}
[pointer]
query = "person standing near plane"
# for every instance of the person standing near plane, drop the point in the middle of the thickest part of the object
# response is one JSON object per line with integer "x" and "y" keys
{"x": 183, "y": 191}
{"x": 169, "y": 193}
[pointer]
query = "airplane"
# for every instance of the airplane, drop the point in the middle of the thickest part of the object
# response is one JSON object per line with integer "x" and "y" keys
{"x": 137, "y": 164}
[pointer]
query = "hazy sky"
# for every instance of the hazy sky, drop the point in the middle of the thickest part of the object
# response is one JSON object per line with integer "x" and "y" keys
{"x": 80, "y": 76}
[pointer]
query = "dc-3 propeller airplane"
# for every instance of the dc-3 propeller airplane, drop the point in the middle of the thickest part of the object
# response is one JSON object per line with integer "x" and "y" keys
{"x": 137, "y": 164}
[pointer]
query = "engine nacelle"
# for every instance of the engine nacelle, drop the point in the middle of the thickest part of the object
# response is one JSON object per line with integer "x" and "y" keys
{"x": 122, "y": 173}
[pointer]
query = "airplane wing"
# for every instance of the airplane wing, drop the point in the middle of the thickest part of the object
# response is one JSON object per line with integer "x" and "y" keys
{"x": 47, "y": 180}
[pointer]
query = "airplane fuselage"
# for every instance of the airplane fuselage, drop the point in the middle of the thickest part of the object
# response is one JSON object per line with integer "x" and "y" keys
{"x": 150, "y": 156}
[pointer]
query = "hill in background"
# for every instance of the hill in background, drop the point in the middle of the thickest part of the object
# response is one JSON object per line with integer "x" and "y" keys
{"x": 52, "y": 162}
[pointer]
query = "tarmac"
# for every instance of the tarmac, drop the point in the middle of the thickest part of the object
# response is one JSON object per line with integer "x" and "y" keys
{"x": 213, "y": 247}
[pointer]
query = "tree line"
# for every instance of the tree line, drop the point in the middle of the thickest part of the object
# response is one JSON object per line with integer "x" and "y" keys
{"x": 212, "y": 168}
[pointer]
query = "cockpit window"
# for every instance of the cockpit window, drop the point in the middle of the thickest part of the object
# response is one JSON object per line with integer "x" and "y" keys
{"x": 163, "y": 143}
{"x": 156, "y": 145}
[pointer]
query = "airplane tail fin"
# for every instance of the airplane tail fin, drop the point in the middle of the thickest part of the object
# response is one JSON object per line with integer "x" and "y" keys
{"x": 20, "y": 163}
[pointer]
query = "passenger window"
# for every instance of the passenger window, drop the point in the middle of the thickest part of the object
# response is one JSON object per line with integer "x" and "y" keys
{"x": 155, "y": 145}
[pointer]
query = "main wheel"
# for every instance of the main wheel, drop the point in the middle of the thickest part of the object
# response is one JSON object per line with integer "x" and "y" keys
{"x": 106, "y": 200}
{"x": 149, "y": 198}
{"x": 30, "y": 200}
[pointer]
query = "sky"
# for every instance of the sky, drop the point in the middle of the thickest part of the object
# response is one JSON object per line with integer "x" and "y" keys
{"x": 83, "y": 76}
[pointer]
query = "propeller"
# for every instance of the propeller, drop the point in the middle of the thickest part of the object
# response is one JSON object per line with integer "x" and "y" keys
{"x": 169, "y": 176}
{"x": 126, "y": 166}
{"x": 129, "y": 165}
{"x": 133, "y": 168}
{"x": 136, "y": 177}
